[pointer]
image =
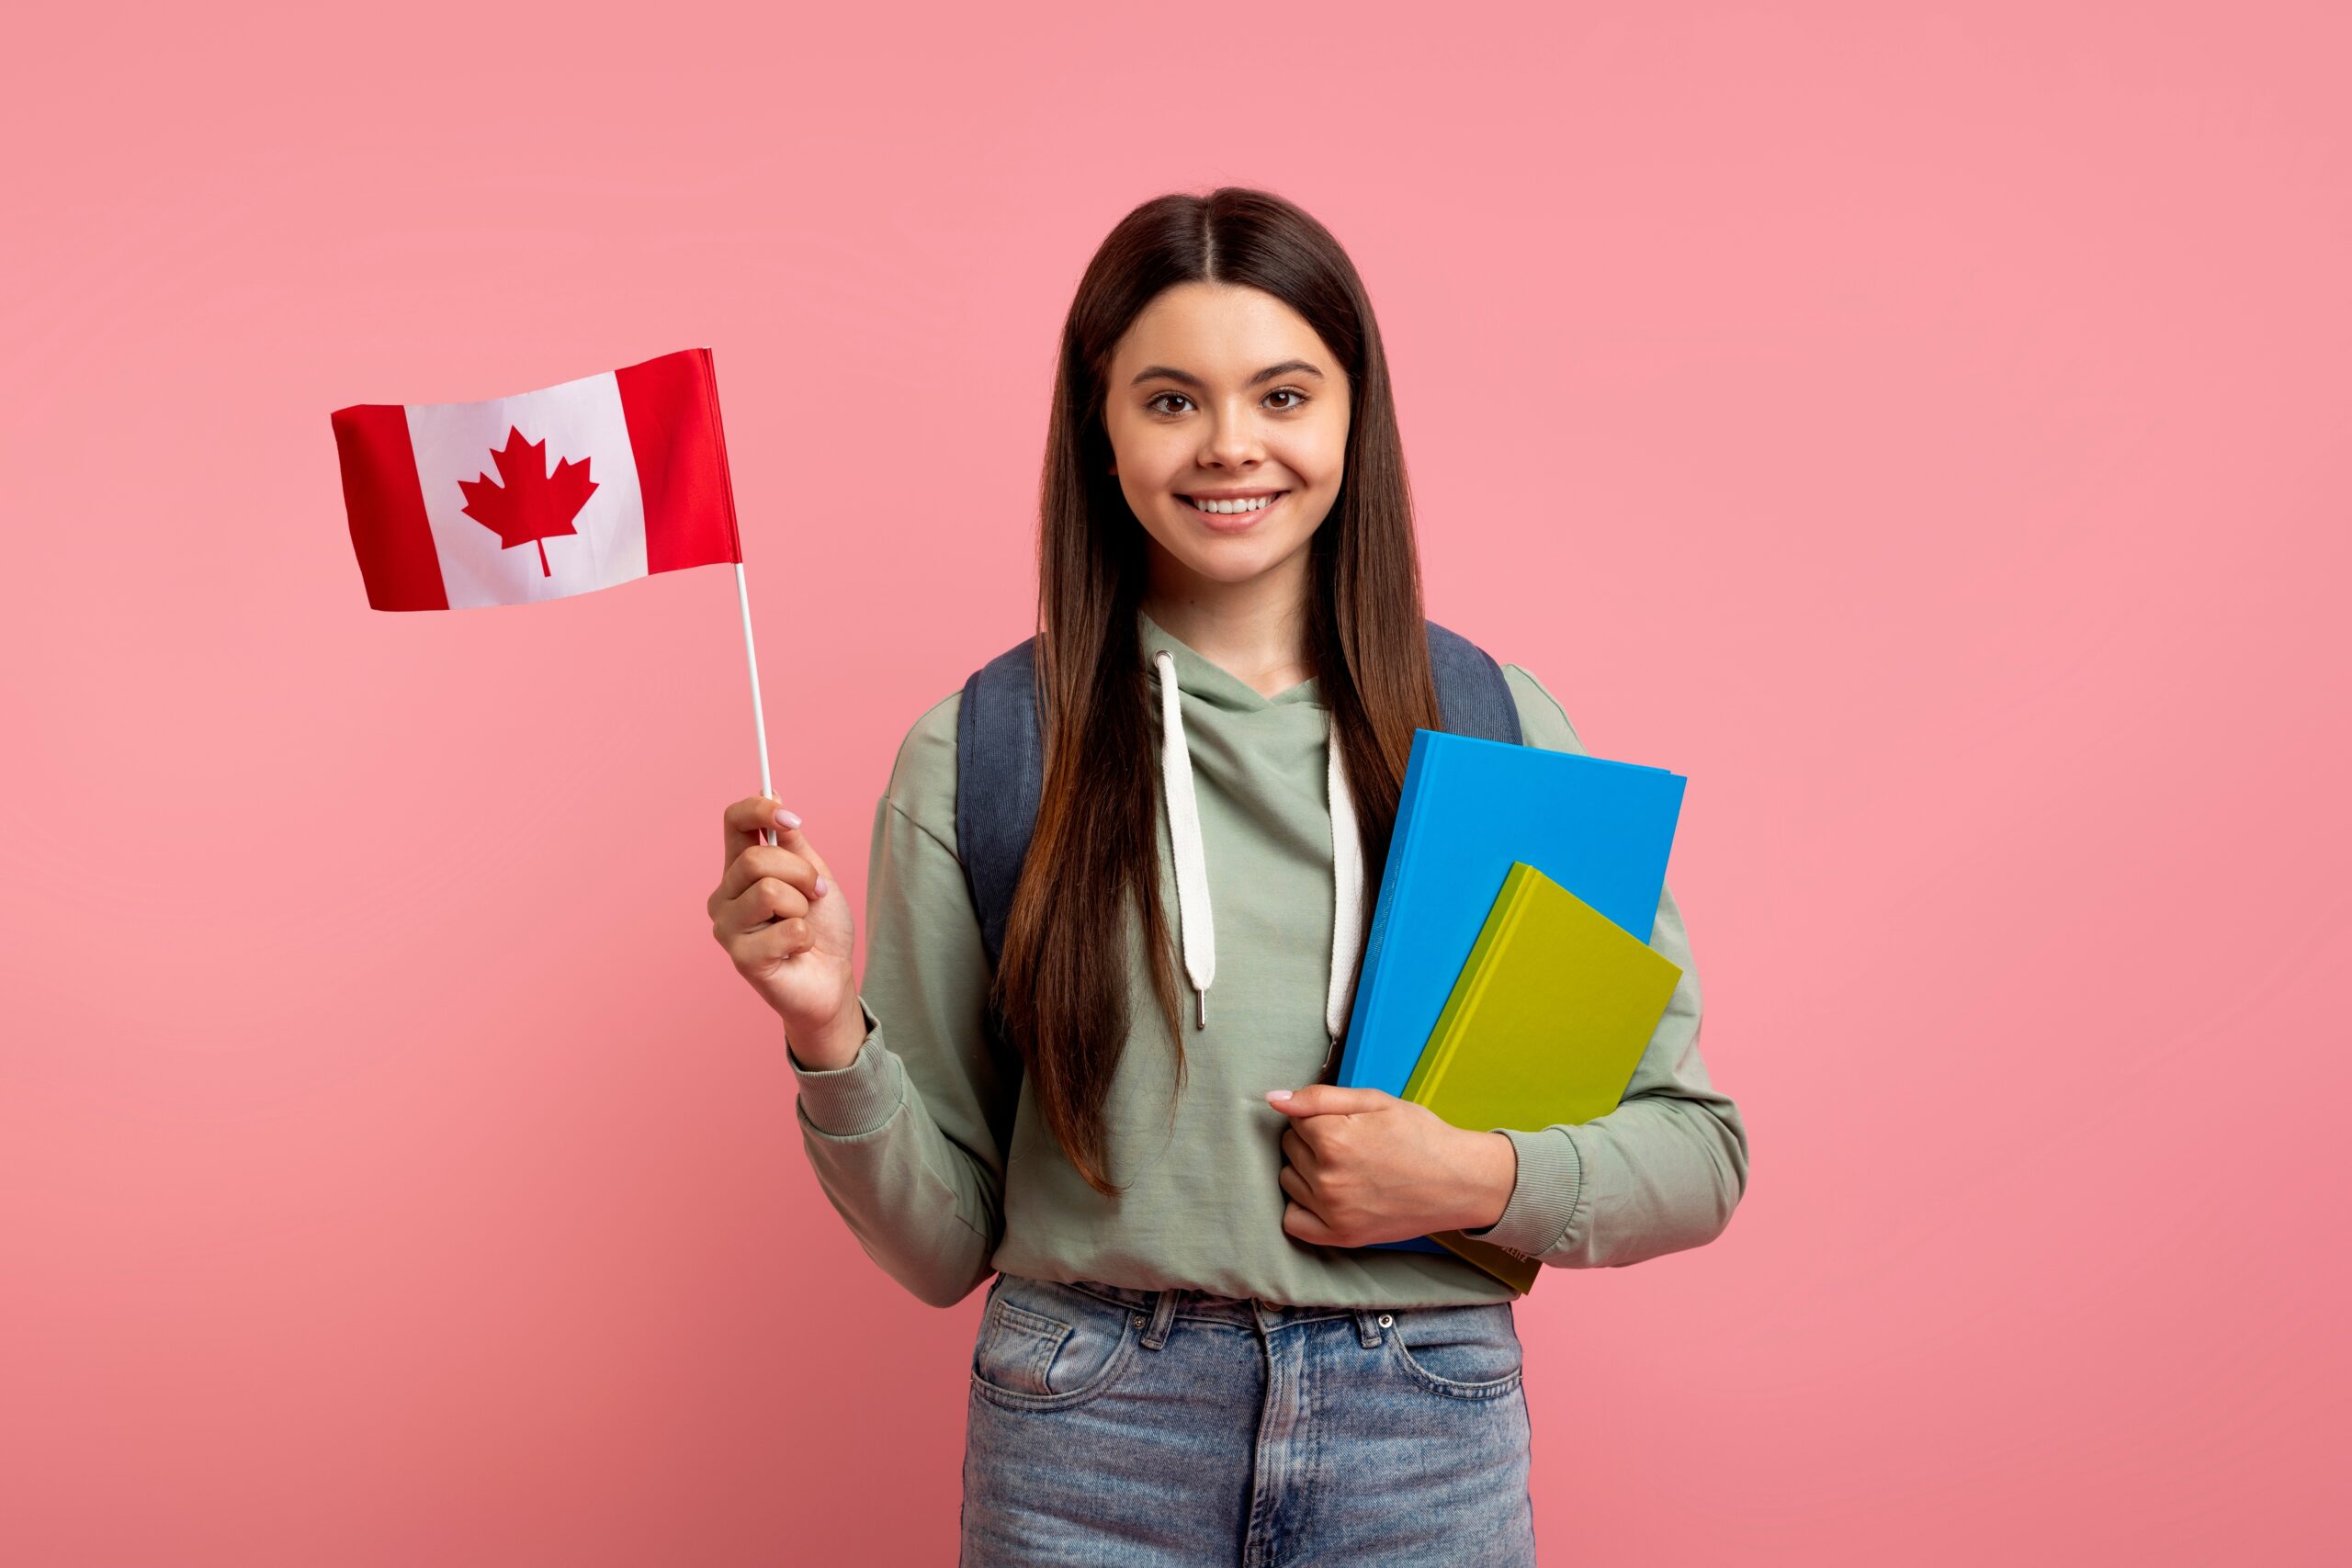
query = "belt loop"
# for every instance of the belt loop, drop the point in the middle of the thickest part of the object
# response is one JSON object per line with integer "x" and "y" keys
{"x": 1367, "y": 1327}
{"x": 1163, "y": 1313}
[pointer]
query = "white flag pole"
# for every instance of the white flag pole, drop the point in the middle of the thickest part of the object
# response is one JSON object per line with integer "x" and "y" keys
{"x": 759, "y": 718}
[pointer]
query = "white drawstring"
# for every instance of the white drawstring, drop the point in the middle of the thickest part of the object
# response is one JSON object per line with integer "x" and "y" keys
{"x": 1193, "y": 911}
{"x": 1347, "y": 881}
{"x": 1184, "y": 832}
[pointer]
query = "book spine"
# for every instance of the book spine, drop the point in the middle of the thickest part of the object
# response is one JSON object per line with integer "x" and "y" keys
{"x": 1417, "y": 770}
{"x": 1462, "y": 1008}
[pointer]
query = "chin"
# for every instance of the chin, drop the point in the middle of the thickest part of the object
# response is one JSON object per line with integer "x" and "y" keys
{"x": 1246, "y": 560}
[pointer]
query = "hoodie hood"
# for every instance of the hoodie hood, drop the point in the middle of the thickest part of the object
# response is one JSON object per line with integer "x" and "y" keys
{"x": 1181, "y": 673}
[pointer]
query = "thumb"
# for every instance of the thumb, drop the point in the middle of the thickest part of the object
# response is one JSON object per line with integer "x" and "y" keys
{"x": 795, "y": 840}
{"x": 1327, "y": 1098}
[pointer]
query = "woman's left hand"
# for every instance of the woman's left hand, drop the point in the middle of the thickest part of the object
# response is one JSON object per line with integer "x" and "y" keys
{"x": 1361, "y": 1166}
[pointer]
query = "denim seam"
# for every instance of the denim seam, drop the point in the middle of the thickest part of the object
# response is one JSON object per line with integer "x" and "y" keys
{"x": 1195, "y": 1316}
{"x": 1014, "y": 1399}
{"x": 1449, "y": 1387}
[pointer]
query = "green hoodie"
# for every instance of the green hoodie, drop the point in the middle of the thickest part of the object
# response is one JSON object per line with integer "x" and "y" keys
{"x": 930, "y": 1143}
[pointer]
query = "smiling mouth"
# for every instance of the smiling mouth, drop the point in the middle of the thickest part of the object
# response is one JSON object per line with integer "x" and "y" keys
{"x": 1243, "y": 508}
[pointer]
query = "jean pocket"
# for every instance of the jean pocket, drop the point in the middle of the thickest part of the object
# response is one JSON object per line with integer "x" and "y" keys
{"x": 1042, "y": 1346}
{"x": 1462, "y": 1352}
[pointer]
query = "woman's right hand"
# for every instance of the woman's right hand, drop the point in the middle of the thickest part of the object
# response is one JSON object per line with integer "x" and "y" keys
{"x": 781, "y": 917}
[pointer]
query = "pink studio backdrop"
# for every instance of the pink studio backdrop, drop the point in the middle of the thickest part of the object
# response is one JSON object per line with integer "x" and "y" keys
{"x": 1925, "y": 426}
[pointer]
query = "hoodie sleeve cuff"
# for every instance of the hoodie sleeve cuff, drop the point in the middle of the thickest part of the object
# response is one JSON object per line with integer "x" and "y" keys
{"x": 1545, "y": 1196}
{"x": 857, "y": 1100}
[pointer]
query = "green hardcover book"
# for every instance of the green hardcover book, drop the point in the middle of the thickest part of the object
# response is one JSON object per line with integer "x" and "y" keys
{"x": 1545, "y": 1023}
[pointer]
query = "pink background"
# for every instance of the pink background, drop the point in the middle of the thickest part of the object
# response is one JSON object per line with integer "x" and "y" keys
{"x": 1923, "y": 425}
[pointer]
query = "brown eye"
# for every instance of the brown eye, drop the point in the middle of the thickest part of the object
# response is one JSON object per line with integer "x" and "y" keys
{"x": 1292, "y": 393}
{"x": 1153, "y": 403}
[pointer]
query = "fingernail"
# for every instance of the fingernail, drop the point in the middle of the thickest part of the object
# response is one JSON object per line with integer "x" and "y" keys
{"x": 786, "y": 818}
{"x": 1278, "y": 1094}
{"x": 821, "y": 885}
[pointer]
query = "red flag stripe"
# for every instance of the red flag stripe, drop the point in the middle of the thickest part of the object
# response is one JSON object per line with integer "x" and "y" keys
{"x": 672, "y": 406}
{"x": 386, "y": 504}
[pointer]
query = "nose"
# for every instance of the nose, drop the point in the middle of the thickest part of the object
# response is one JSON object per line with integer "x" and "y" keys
{"x": 1234, "y": 442}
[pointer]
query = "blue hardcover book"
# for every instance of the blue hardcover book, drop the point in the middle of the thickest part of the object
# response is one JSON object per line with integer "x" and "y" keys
{"x": 1469, "y": 807}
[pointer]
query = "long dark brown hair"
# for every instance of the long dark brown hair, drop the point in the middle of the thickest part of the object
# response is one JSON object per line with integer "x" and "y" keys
{"x": 1060, "y": 993}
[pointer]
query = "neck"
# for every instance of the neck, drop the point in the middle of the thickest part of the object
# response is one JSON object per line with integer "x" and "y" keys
{"x": 1256, "y": 629}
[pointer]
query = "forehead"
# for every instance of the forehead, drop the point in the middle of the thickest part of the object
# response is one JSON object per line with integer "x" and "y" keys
{"x": 1221, "y": 331}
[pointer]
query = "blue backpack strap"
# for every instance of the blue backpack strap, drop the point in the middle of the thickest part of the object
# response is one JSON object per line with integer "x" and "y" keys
{"x": 1473, "y": 696}
{"x": 1000, "y": 774}
{"x": 1001, "y": 758}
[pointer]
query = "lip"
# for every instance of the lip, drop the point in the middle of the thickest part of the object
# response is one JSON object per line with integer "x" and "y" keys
{"x": 1234, "y": 522}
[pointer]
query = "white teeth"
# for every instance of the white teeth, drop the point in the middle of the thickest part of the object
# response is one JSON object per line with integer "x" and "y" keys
{"x": 1257, "y": 503}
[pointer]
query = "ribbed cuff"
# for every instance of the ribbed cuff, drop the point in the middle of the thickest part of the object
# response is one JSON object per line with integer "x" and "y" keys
{"x": 857, "y": 1100}
{"x": 1545, "y": 1196}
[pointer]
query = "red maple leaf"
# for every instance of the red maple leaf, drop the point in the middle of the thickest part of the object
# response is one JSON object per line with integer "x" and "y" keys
{"x": 531, "y": 506}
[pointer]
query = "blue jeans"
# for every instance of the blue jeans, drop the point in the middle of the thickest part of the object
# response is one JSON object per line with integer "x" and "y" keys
{"x": 1121, "y": 1428}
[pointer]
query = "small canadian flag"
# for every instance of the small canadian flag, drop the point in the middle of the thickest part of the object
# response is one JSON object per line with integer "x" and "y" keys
{"x": 540, "y": 495}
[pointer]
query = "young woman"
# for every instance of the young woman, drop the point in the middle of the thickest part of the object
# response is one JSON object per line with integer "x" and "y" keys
{"x": 1188, "y": 1354}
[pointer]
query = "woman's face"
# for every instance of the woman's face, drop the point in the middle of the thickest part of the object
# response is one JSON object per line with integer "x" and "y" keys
{"x": 1220, "y": 392}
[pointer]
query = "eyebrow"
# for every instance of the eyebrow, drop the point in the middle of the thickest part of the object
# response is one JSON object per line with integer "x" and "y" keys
{"x": 1186, "y": 377}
